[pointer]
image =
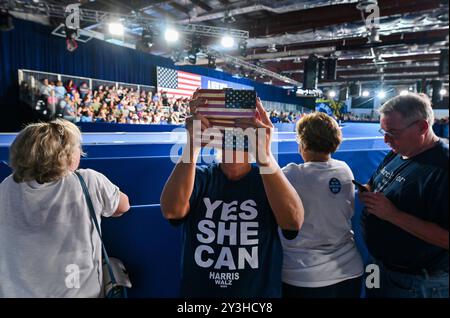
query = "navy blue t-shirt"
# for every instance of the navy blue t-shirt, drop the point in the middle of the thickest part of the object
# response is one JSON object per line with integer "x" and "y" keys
{"x": 417, "y": 186}
{"x": 231, "y": 246}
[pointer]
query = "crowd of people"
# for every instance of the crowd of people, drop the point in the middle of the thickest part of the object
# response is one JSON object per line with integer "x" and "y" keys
{"x": 108, "y": 104}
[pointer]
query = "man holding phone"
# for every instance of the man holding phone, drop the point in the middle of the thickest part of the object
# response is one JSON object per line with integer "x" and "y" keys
{"x": 405, "y": 220}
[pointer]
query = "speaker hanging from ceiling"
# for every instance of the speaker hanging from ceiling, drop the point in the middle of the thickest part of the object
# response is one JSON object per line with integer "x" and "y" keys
{"x": 419, "y": 86}
{"x": 436, "y": 97}
{"x": 310, "y": 72}
{"x": 6, "y": 21}
{"x": 321, "y": 70}
{"x": 355, "y": 89}
{"x": 343, "y": 93}
{"x": 330, "y": 68}
{"x": 443, "y": 62}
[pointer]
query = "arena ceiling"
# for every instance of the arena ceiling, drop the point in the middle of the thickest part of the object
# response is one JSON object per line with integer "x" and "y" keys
{"x": 403, "y": 47}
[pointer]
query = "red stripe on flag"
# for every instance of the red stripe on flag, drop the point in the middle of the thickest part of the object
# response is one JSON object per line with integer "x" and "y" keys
{"x": 235, "y": 113}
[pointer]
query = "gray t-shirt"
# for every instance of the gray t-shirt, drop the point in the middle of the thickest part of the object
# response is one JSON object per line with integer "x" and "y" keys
{"x": 48, "y": 244}
{"x": 324, "y": 252}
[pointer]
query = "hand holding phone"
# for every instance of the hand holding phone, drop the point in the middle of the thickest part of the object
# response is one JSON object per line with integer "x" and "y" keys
{"x": 361, "y": 187}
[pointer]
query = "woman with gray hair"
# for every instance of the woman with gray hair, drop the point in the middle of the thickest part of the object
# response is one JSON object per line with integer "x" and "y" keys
{"x": 48, "y": 244}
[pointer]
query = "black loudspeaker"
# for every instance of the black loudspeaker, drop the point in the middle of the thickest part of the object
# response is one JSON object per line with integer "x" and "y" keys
{"x": 322, "y": 70}
{"x": 443, "y": 62}
{"x": 330, "y": 69}
{"x": 355, "y": 89}
{"x": 436, "y": 97}
{"x": 211, "y": 61}
{"x": 343, "y": 93}
{"x": 6, "y": 21}
{"x": 310, "y": 72}
{"x": 419, "y": 87}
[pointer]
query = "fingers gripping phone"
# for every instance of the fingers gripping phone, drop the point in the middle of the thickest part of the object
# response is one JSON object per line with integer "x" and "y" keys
{"x": 361, "y": 187}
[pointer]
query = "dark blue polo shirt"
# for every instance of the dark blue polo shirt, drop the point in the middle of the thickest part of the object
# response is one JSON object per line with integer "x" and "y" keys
{"x": 417, "y": 186}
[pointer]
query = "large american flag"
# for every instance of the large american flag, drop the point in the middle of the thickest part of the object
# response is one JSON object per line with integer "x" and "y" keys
{"x": 177, "y": 84}
{"x": 223, "y": 107}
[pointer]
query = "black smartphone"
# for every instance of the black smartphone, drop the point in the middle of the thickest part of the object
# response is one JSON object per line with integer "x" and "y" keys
{"x": 361, "y": 188}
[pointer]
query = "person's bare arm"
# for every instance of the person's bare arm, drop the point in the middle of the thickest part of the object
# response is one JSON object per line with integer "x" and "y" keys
{"x": 178, "y": 188}
{"x": 177, "y": 191}
{"x": 124, "y": 205}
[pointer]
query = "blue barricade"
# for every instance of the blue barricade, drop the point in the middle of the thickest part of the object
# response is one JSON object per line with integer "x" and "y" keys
{"x": 5, "y": 170}
{"x": 149, "y": 247}
{"x": 143, "y": 178}
{"x": 113, "y": 127}
{"x": 285, "y": 127}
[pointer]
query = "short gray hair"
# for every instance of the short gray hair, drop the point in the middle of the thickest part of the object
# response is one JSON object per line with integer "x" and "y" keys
{"x": 411, "y": 107}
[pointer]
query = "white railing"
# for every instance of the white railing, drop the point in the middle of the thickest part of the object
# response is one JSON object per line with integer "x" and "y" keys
{"x": 33, "y": 78}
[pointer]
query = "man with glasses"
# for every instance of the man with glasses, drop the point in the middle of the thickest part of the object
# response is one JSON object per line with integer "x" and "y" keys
{"x": 405, "y": 219}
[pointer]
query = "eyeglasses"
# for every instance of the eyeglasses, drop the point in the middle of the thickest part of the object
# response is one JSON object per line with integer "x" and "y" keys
{"x": 397, "y": 132}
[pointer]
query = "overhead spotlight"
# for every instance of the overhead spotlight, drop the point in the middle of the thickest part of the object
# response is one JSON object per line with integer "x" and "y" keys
{"x": 211, "y": 61}
{"x": 116, "y": 28}
{"x": 381, "y": 94}
{"x": 71, "y": 36}
{"x": 147, "y": 37}
{"x": 171, "y": 35}
{"x": 192, "y": 58}
{"x": 227, "y": 17}
{"x": 332, "y": 94}
{"x": 272, "y": 48}
{"x": 196, "y": 44}
{"x": 146, "y": 41}
{"x": 176, "y": 55}
{"x": 442, "y": 92}
{"x": 242, "y": 48}
{"x": 365, "y": 93}
{"x": 374, "y": 36}
{"x": 195, "y": 48}
{"x": 227, "y": 41}
{"x": 6, "y": 21}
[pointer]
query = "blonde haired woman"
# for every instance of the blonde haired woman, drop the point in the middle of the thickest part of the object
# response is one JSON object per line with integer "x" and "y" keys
{"x": 48, "y": 245}
{"x": 322, "y": 261}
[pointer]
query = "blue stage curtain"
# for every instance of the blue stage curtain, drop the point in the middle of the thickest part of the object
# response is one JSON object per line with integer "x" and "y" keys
{"x": 31, "y": 46}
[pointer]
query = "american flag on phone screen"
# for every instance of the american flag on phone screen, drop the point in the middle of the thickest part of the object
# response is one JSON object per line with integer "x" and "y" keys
{"x": 223, "y": 107}
{"x": 177, "y": 84}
